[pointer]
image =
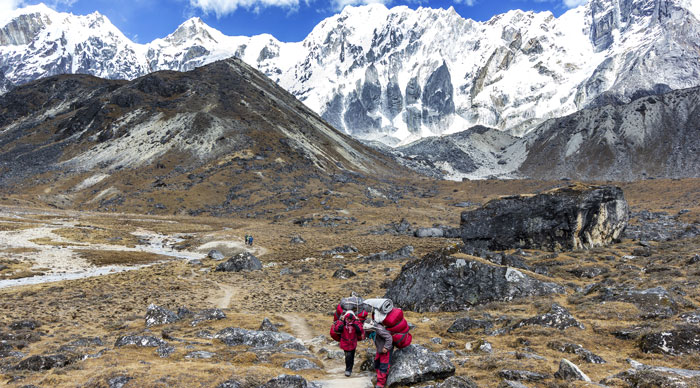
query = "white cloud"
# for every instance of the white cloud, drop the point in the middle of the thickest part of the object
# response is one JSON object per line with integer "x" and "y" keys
{"x": 574, "y": 3}
{"x": 225, "y": 7}
{"x": 340, "y": 4}
{"x": 469, "y": 3}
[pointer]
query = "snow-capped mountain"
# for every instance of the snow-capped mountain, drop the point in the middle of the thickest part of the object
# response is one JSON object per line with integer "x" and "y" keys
{"x": 397, "y": 75}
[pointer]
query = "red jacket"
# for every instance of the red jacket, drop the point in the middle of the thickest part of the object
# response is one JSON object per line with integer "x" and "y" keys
{"x": 349, "y": 332}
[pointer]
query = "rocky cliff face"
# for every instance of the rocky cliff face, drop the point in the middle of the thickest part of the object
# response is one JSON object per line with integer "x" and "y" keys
{"x": 397, "y": 75}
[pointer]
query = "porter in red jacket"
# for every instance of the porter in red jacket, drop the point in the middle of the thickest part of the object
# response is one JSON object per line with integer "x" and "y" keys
{"x": 349, "y": 329}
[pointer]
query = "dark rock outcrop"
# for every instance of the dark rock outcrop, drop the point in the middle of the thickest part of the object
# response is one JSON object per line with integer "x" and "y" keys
{"x": 140, "y": 341}
{"x": 343, "y": 273}
{"x": 340, "y": 250}
{"x": 574, "y": 217}
{"x": 521, "y": 375}
{"x": 653, "y": 303}
{"x": 39, "y": 363}
{"x": 234, "y": 336}
{"x": 241, "y": 262}
{"x": 267, "y": 325}
{"x": 641, "y": 375}
{"x": 585, "y": 354}
{"x": 455, "y": 382}
{"x": 215, "y": 255}
{"x": 558, "y": 317}
{"x": 156, "y": 315}
{"x": 685, "y": 340}
{"x": 118, "y": 381}
{"x": 229, "y": 384}
{"x": 465, "y": 324}
{"x": 440, "y": 282}
{"x": 415, "y": 364}
{"x": 289, "y": 381}
{"x": 207, "y": 315}
{"x": 28, "y": 324}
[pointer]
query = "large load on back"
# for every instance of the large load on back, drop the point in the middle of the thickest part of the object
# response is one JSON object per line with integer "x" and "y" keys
{"x": 354, "y": 304}
{"x": 392, "y": 318}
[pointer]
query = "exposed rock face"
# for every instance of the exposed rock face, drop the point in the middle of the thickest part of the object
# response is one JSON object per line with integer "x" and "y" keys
{"x": 215, "y": 255}
{"x": 241, "y": 262}
{"x": 676, "y": 342}
{"x": 207, "y": 315}
{"x": 140, "y": 341}
{"x": 289, "y": 381}
{"x": 586, "y": 355}
{"x": 229, "y": 384}
{"x": 466, "y": 324}
{"x": 641, "y": 375}
{"x": 298, "y": 364}
{"x": 557, "y": 317}
{"x": 415, "y": 364}
{"x": 653, "y": 303}
{"x": 39, "y": 363}
{"x": 340, "y": 250}
{"x": 521, "y": 375}
{"x": 156, "y": 315}
{"x": 234, "y": 336}
{"x": 455, "y": 382}
{"x": 429, "y": 232}
{"x": 405, "y": 252}
{"x": 576, "y": 217}
{"x": 267, "y": 325}
{"x": 568, "y": 371}
{"x": 440, "y": 282}
{"x": 343, "y": 273}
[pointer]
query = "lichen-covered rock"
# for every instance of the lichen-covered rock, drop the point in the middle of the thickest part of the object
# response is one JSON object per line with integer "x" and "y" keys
{"x": 684, "y": 340}
{"x": 156, "y": 315}
{"x": 455, "y": 382}
{"x": 585, "y": 354}
{"x": 234, "y": 336}
{"x": 442, "y": 282}
{"x": 165, "y": 351}
{"x": 521, "y": 375}
{"x": 144, "y": 341}
{"x": 569, "y": 372}
{"x": 229, "y": 384}
{"x": 289, "y": 381}
{"x": 558, "y": 317}
{"x": 465, "y": 324}
{"x": 415, "y": 364}
{"x": 267, "y": 325}
{"x": 38, "y": 363}
{"x": 575, "y": 217}
{"x": 653, "y": 303}
{"x": 343, "y": 273}
{"x": 118, "y": 381}
{"x": 28, "y": 324}
{"x": 405, "y": 252}
{"x": 340, "y": 250}
{"x": 207, "y": 315}
{"x": 241, "y": 262}
{"x": 641, "y": 375}
{"x": 298, "y": 364}
{"x": 215, "y": 255}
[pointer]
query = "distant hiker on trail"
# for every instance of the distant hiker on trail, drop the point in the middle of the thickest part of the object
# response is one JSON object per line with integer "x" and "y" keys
{"x": 250, "y": 240}
{"x": 349, "y": 329}
{"x": 246, "y": 239}
{"x": 384, "y": 344}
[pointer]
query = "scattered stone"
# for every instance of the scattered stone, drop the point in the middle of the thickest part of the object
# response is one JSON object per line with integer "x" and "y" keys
{"x": 289, "y": 381}
{"x": 297, "y": 240}
{"x": 195, "y": 262}
{"x": 415, "y": 364}
{"x": 558, "y": 317}
{"x": 692, "y": 317}
{"x": 586, "y": 355}
{"x": 340, "y": 250}
{"x": 575, "y": 217}
{"x": 241, "y": 262}
{"x": 641, "y": 375}
{"x": 207, "y": 315}
{"x": 511, "y": 384}
{"x": 588, "y": 272}
{"x": 659, "y": 226}
{"x": 144, "y": 341}
{"x": 694, "y": 260}
{"x": 183, "y": 312}
{"x": 455, "y": 382}
{"x": 439, "y": 282}
{"x": 229, "y": 384}
{"x": 405, "y": 252}
{"x": 165, "y": 351}
{"x": 465, "y": 324}
{"x": 653, "y": 303}
{"x": 285, "y": 271}
{"x": 343, "y": 273}
{"x": 401, "y": 228}
{"x": 676, "y": 342}
{"x": 429, "y": 233}
{"x": 215, "y": 255}
{"x": 267, "y": 325}
{"x": 39, "y": 363}
{"x": 568, "y": 371}
{"x": 521, "y": 375}
{"x": 486, "y": 347}
{"x": 118, "y": 381}
{"x": 298, "y": 364}
{"x": 3, "y": 267}
{"x": 156, "y": 315}
{"x": 234, "y": 336}
{"x": 200, "y": 354}
{"x": 465, "y": 204}
{"x": 28, "y": 324}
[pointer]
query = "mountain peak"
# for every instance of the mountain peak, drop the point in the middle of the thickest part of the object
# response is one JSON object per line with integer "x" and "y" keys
{"x": 192, "y": 29}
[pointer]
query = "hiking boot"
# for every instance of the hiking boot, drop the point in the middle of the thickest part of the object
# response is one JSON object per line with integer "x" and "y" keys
{"x": 348, "y": 373}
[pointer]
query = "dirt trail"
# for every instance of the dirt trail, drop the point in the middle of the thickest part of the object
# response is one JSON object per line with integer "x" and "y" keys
{"x": 335, "y": 373}
{"x": 223, "y": 299}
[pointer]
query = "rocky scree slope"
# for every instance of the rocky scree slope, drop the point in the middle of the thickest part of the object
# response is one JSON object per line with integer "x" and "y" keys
{"x": 396, "y": 75}
{"x": 208, "y": 131}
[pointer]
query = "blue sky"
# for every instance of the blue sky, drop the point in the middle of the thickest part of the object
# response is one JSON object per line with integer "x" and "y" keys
{"x": 287, "y": 20}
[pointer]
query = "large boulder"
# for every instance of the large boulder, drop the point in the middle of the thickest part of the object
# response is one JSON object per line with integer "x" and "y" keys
{"x": 298, "y": 364}
{"x": 415, "y": 364}
{"x": 144, "y": 341}
{"x": 653, "y": 303}
{"x": 569, "y": 371}
{"x": 289, "y": 381}
{"x": 241, "y": 262}
{"x": 443, "y": 282}
{"x": 38, "y": 363}
{"x": 575, "y": 217}
{"x": 684, "y": 340}
{"x": 156, "y": 315}
{"x": 557, "y": 317}
{"x": 641, "y": 375}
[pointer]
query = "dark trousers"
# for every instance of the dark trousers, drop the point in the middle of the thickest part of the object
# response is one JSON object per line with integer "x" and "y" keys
{"x": 349, "y": 360}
